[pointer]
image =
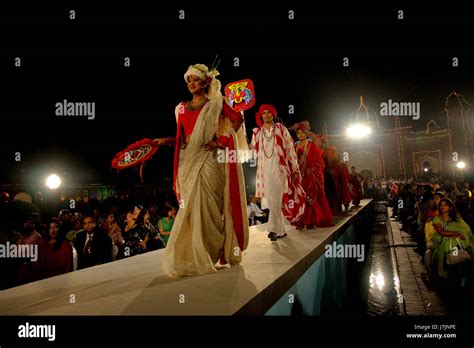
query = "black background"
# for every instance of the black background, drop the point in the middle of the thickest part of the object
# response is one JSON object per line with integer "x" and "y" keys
{"x": 295, "y": 62}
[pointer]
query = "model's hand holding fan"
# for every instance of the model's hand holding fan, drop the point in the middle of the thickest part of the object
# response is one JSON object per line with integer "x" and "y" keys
{"x": 136, "y": 154}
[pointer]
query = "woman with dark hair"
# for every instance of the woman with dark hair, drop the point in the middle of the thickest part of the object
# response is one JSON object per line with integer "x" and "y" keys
{"x": 438, "y": 196}
{"x": 114, "y": 232}
{"x": 429, "y": 233}
{"x": 136, "y": 232}
{"x": 165, "y": 224}
{"x": 152, "y": 240}
{"x": 449, "y": 225}
{"x": 310, "y": 159}
{"x": 56, "y": 252}
{"x": 431, "y": 214}
{"x": 211, "y": 225}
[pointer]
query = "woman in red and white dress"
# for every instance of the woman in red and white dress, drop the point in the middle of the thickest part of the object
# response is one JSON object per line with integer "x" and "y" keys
{"x": 311, "y": 163}
{"x": 211, "y": 224}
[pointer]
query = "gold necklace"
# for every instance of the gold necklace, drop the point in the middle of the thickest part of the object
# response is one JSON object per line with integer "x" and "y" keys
{"x": 192, "y": 107}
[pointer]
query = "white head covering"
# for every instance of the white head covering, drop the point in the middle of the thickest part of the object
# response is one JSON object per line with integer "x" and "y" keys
{"x": 202, "y": 71}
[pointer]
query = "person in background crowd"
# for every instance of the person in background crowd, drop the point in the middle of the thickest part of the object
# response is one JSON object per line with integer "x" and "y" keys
{"x": 370, "y": 187}
{"x": 174, "y": 211}
{"x": 136, "y": 232}
{"x": 29, "y": 270}
{"x": 56, "y": 252}
{"x": 114, "y": 232}
{"x": 64, "y": 218}
{"x": 383, "y": 188}
{"x": 255, "y": 213}
{"x": 429, "y": 232}
{"x": 424, "y": 207}
{"x": 153, "y": 240}
{"x": 93, "y": 245}
{"x": 98, "y": 219}
{"x": 376, "y": 190}
{"x": 149, "y": 225}
{"x": 165, "y": 224}
{"x": 154, "y": 215}
{"x": 76, "y": 227}
{"x": 41, "y": 228}
{"x": 449, "y": 226}
{"x": 456, "y": 193}
{"x": 463, "y": 203}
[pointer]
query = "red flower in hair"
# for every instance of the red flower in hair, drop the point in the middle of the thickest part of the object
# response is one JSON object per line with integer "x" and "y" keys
{"x": 262, "y": 108}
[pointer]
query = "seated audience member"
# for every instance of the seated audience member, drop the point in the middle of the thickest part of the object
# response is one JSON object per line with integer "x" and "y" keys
{"x": 93, "y": 245}
{"x": 65, "y": 223}
{"x": 56, "y": 252}
{"x": 29, "y": 270}
{"x": 450, "y": 230}
{"x": 114, "y": 232}
{"x": 165, "y": 224}
{"x": 255, "y": 213}
{"x": 76, "y": 227}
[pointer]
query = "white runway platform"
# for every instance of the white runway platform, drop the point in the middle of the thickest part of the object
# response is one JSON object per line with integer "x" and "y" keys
{"x": 138, "y": 286}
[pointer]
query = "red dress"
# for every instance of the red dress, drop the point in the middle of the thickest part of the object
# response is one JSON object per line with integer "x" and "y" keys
{"x": 342, "y": 184}
{"x": 311, "y": 162}
{"x": 56, "y": 261}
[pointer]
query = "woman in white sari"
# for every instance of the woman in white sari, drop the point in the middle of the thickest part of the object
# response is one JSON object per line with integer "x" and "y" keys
{"x": 211, "y": 224}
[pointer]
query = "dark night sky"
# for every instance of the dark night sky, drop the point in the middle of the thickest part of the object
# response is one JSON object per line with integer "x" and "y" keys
{"x": 290, "y": 64}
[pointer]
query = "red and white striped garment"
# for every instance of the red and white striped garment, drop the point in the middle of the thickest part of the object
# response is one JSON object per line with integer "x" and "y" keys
{"x": 293, "y": 202}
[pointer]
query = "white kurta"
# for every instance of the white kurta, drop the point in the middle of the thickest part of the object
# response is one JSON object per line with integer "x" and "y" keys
{"x": 273, "y": 185}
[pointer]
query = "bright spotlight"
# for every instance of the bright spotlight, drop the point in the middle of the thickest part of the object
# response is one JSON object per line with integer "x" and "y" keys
{"x": 53, "y": 181}
{"x": 358, "y": 131}
{"x": 426, "y": 169}
{"x": 461, "y": 165}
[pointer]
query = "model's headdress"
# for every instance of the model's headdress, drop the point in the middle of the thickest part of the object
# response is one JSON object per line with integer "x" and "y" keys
{"x": 204, "y": 73}
{"x": 262, "y": 108}
{"x": 304, "y": 126}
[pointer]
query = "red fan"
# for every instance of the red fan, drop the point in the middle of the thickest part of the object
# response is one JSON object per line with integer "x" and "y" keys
{"x": 240, "y": 94}
{"x": 135, "y": 154}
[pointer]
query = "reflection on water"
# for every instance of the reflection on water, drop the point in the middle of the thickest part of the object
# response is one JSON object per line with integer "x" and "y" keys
{"x": 377, "y": 280}
{"x": 375, "y": 284}
{"x": 383, "y": 286}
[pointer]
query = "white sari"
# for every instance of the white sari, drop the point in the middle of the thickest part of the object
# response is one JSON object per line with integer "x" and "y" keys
{"x": 203, "y": 230}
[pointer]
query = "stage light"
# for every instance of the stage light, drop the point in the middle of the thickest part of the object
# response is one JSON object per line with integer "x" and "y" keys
{"x": 358, "y": 131}
{"x": 426, "y": 169}
{"x": 53, "y": 181}
{"x": 461, "y": 165}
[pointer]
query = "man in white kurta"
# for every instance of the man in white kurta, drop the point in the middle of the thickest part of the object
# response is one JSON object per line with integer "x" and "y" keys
{"x": 272, "y": 144}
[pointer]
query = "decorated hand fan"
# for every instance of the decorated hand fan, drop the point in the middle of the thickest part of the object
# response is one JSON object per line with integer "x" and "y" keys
{"x": 240, "y": 94}
{"x": 134, "y": 155}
